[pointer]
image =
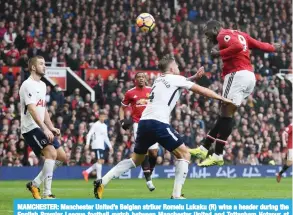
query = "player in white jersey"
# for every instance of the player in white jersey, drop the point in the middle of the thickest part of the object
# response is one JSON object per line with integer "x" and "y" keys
{"x": 37, "y": 128}
{"x": 154, "y": 126}
{"x": 98, "y": 136}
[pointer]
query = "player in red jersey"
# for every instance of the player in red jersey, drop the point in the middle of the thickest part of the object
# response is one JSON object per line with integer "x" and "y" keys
{"x": 239, "y": 81}
{"x": 137, "y": 98}
{"x": 287, "y": 141}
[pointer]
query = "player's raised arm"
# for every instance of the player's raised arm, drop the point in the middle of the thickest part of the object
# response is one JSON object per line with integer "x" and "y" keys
{"x": 255, "y": 44}
{"x": 208, "y": 93}
{"x": 184, "y": 83}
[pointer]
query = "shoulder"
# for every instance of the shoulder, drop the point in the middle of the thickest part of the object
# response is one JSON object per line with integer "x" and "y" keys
{"x": 25, "y": 84}
{"x": 226, "y": 34}
{"x": 43, "y": 84}
{"x": 130, "y": 91}
{"x": 175, "y": 78}
{"x": 147, "y": 89}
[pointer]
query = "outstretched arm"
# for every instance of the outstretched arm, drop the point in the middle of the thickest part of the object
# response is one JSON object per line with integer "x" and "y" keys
{"x": 208, "y": 93}
{"x": 255, "y": 44}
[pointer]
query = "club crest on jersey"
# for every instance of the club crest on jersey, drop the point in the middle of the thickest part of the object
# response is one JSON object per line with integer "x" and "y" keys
{"x": 142, "y": 102}
{"x": 41, "y": 103}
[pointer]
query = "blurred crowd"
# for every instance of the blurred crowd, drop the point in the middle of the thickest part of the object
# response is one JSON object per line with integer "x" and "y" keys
{"x": 102, "y": 34}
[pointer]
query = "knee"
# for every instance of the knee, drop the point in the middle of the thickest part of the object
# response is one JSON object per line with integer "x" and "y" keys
{"x": 50, "y": 152}
{"x": 100, "y": 161}
{"x": 61, "y": 156}
{"x": 186, "y": 155}
{"x": 182, "y": 153}
{"x": 228, "y": 110}
{"x": 137, "y": 159}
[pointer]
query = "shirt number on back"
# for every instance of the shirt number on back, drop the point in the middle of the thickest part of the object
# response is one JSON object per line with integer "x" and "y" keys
{"x": 243, "y": 42}
{"x": 152, "y": 94}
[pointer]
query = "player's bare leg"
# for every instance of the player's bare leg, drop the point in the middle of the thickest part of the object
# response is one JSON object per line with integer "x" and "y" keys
{"x": 219, "y": 134}
{"x": 148, "y": 166}
{"x": 50, "y": 155}
{"x": 116, "y": 171}
{"x": 284, "y": 169}
{"x": 181, "y": 170}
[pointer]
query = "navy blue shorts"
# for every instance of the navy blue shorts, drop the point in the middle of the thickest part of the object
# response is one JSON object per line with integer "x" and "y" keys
{"x": 37, "y": 140}
{"x": 100, "y": 154}
{"x": 150, "y": 132}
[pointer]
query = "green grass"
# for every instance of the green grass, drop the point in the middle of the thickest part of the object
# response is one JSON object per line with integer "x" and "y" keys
{"x": 261, "y": 188}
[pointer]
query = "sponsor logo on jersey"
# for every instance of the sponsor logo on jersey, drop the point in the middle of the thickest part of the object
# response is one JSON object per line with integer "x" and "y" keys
{"x": 41, "y": 103}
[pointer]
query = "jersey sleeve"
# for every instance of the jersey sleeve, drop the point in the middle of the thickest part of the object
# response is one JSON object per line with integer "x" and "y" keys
{"x": 89, "y": 135}
{"x": 126, "y": 100}
{"x": 182, "y": 82}
{"x": 28, "y": 95}
{"x": 232, "y": 42}
{"x": 106, "y": 138}
{"x": 255, "y": 44}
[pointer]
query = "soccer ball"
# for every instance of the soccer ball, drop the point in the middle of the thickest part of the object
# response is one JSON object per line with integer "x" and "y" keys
{"x": 145, "y": 22}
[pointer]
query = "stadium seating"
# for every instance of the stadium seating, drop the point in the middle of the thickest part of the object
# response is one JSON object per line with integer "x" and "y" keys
{"x": 101, "y": 34}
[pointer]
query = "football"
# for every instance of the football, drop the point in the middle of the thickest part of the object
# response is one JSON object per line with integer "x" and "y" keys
{"x": 145, "y": 22}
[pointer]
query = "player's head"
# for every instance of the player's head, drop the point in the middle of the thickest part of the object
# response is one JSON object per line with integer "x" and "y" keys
{"x": 37, "y": 66}
{"x": 168, "y": 65}
{"x": 140, "y": 79}
{"x": 211, "y": 30}
{"x": 102, "y": 115}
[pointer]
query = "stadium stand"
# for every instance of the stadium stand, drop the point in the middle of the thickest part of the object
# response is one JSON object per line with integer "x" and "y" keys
{"x": 101, "y": 34}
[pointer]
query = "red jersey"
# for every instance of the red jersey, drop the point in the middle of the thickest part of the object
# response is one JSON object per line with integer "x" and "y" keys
{"x": 288, "y": 130}
{"x": 234, "y": 49}
{"x": 137, "y": 98}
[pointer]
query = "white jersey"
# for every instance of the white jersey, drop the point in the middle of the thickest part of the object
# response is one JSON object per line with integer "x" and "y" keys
{"x": 32, "y": 92}
{"x": 99, "y": 135}
{"x": 165, "y": 93}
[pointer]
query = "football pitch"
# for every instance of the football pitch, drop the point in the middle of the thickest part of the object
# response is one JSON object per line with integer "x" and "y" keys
{"x": 216, "y": 188}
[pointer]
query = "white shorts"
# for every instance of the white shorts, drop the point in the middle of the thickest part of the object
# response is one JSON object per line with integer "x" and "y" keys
{"x": 135, "y": 126}
{"x": 238, "y": 86}
{"x": 290, "y": 155}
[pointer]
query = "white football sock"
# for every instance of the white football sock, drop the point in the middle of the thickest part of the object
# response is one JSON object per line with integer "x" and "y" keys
{"x": 99, "y": 170}
{"x": 38, "y": 180}
{"x": 181, "y": 170}
{"x": 48, "y": 175}
{"x": 91, "y": 168}
{"x": 118, "y": 170}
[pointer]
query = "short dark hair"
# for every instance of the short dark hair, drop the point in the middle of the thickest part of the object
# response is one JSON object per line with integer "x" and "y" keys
{"x": 165, "y": 61}
{"x": 214, "y": 24}
{"x": 33, "y": 61}
{"x": 139, "y": 72}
